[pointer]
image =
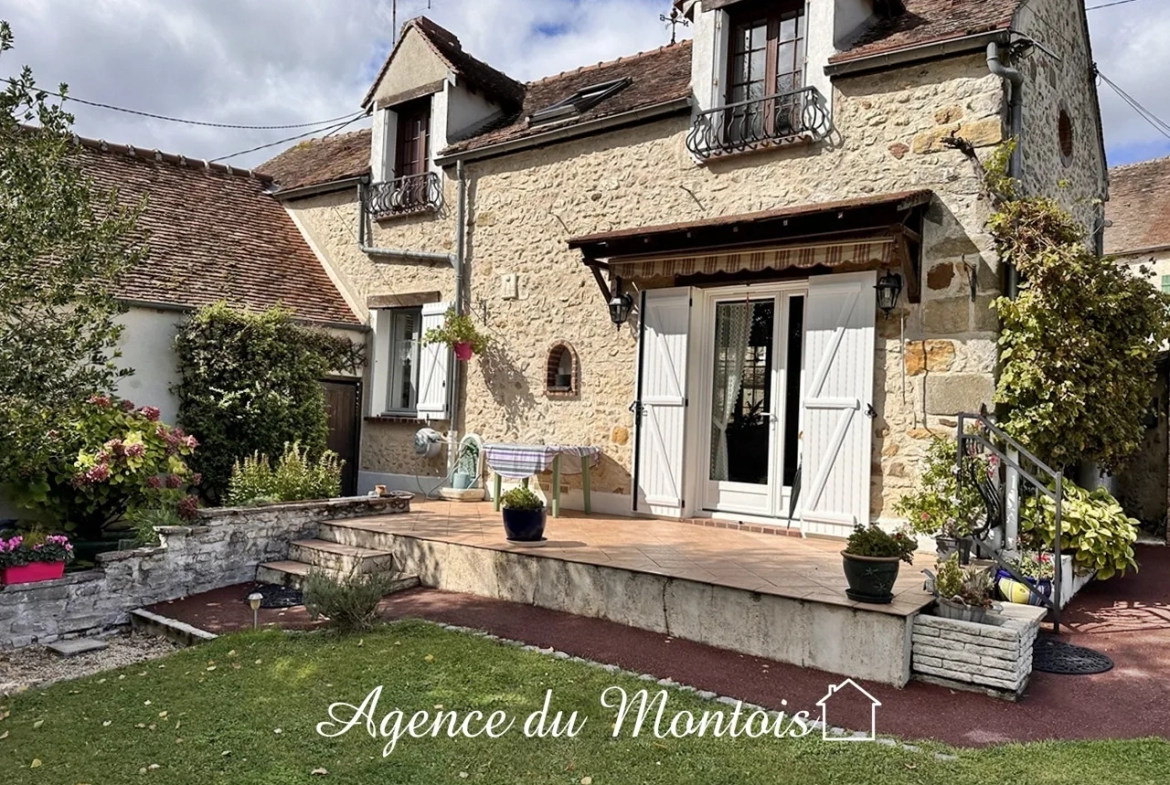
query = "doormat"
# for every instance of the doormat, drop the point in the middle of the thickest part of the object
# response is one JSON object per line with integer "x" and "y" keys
{"x": 279, "y": 596}
{"x": 1052, "y": 655}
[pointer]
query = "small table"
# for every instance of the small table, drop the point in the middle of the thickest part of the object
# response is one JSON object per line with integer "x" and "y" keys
{"x": 521, "y": 461}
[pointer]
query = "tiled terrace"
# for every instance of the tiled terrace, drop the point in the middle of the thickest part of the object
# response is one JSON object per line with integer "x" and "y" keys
{"x": 790, "y": 567}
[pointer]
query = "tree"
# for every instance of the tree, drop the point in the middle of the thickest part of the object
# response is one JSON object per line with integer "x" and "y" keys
{"x": 1078, "y": 346}
{"x": 251, "y": 383}
{"x": 63, "y": 244}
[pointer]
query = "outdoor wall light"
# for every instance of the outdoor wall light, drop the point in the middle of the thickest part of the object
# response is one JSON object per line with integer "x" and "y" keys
{"x": 889, "y": 288}
{"x": 254, "y": 600}
{"x": 620, "y": 306}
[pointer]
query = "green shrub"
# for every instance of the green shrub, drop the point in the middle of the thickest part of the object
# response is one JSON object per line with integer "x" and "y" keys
{"x": 250, "y": 383}
{"x": 1093, "y": 525}
{"x": 937, "y": 508}
{"x": 107, "y": 459}
{"x": 521, "y": 498}
{"x": 349, "y": 603}
{"x": 144, "y": 522}
{"x": 295, "y": 478}
{"x": 875, "y": 541}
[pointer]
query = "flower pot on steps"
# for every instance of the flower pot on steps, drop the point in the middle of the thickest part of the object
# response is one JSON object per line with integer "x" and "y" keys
{"x": 524, "y": 525}
{"x": 949, "y": 609}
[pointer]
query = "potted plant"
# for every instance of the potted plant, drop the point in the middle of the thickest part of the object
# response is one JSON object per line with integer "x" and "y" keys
{"x": 961, "y": 593}
{"x": 871, "y": 560}
{"x": 460, "y": 334}
{"x": 33, "y": 557}
{"x": 1037, "y": 569}
{"x": 524, "y": 515}
{"x": 939, "y": 508}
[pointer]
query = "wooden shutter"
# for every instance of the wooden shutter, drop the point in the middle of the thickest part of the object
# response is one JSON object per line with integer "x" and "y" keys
{"x": 662, "y": 386}
{"x": 434, "y": 365}
{"x": 839, "y": 361}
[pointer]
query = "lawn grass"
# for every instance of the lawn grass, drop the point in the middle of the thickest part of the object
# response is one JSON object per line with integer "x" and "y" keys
{"x": 211, "y": 714}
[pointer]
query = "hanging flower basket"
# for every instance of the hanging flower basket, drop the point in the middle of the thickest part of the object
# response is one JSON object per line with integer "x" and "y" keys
{"x": 460, "y": 334}
{"x": 33, "y": 558}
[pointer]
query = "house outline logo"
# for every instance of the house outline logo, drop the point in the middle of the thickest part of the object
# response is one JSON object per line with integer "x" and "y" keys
{"x": 823, "y": 704}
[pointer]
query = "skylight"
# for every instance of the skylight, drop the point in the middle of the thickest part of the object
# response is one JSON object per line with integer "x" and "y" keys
{"x": 580, "y": 102}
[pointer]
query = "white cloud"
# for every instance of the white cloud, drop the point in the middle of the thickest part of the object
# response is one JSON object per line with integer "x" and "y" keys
{"x": 287, "y": 61}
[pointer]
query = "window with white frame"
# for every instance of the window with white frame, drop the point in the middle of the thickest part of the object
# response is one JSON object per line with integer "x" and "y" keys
{"x": 405, "y": 338}
{"x": 408, "y": 377}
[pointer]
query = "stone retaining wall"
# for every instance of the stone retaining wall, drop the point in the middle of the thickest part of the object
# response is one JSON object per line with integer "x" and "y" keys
{"x": 223, "y": 550}
{"x": 995, "y": 657}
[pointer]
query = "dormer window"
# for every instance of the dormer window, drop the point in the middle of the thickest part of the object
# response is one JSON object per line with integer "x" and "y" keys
{"x": 412, "y": 187}
{"x": 765, "y": 99}
{"x": 766, "y": 66}
{"x": 579, "y": 102}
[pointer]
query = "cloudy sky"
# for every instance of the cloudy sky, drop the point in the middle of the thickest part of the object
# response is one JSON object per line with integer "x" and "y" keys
{"x": 277, "y": 62}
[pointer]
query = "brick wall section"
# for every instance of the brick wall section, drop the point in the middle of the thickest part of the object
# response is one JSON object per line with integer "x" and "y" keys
{"x": 993, "y": 657}
{"x": 225, "y": 550}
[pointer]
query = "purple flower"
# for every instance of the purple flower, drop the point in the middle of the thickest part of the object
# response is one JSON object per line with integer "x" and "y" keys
{"x": 127, "y": 406}
{"x": 99, "y": 473}
{"x": 151, "y": 413}
{"x": 154, "y": 482}
{"x": 135, "y": 450}
{"x": 197, "y": 478}
{"x": 188, "y": 507}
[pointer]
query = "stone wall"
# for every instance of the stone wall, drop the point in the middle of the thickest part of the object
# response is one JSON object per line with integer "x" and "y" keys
{"x": 223, "y": 550}
{"x": 523, "y": 208}
{"x": 1078, "y": 182}
{"x": 996, "y": 656}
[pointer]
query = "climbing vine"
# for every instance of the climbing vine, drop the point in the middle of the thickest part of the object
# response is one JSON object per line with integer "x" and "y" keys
{"x": 1078, "y": 345}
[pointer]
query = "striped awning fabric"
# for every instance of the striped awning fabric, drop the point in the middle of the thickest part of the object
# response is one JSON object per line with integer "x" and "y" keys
{"x": 875, "y": 251}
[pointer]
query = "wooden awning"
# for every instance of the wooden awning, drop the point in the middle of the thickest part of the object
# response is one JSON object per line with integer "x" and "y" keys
{"x": 877, "y": 231}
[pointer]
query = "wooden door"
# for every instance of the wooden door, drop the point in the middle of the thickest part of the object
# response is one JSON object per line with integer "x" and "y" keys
{"x": 343, "y": 402}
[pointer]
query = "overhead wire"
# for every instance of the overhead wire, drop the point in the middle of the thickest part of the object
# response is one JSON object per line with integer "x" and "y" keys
{"x": 184, "y": 121}
{"x": 331, "y": 130}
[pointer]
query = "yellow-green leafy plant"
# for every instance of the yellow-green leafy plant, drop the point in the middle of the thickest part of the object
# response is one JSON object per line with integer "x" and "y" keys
{"x": 295, "y": 477}
{"x": 1094, "y": 528}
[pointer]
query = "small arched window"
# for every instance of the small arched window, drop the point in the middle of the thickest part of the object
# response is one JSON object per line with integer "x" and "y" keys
{"x": 562, "y": 374}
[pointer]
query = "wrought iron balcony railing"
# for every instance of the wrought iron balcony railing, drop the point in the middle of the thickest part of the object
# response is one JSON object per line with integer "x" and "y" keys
{"x": 760, "y": 122}
{"x": 413, "y": 194}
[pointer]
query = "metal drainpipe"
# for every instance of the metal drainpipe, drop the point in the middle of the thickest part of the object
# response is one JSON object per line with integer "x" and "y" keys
{"x": 1016, "y": 121}
{"x": 459, "y": 261}
{"x": 397, "y": 253}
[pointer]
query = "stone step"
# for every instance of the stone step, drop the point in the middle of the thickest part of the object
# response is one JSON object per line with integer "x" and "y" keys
{"x": 293, "y": 574}
{"x": 77, "y": 646}
{"x": 340, "y": 557}
{"x": 358, "y": 538}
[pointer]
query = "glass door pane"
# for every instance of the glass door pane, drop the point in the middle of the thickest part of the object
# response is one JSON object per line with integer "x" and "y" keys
{"x": 741, "y": 400}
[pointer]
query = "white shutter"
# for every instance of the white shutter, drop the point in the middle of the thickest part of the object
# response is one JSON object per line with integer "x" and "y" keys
{"x": 839, "y": 361}
{"x": 662, "y": 386}
{"x": 379, "y": 363}
{"x": 434, "y": 365}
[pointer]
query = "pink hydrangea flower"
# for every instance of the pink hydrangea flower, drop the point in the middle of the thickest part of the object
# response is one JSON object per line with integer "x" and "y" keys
{"x": 154, "y": 482}
{"x": 188, "y": 507}
{"x": 136, "y": 450}
{"x": 190, "y": 442}
{"x": 151, "y": 413}
{"x": 174, "y": 481}
{"x": 197, "y": 478}
{"x": 127, "y": 406}
{"x": 99, "y": 473}
{"x": 100, "y": 401}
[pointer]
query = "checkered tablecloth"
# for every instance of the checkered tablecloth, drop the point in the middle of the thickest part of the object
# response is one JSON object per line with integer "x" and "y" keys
{"x": 517, "y": 461}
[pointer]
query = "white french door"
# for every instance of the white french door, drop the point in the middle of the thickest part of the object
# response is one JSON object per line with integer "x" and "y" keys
{"x": 751, "y": 377}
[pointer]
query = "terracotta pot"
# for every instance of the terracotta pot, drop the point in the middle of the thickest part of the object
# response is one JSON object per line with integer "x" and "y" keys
{"x": 871, "y": 578}
{"x": 32, "y": 573}
{"x": 463, "y": 351}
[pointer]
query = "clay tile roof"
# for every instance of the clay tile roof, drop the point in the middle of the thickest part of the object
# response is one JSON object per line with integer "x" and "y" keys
{"x": 320, "y": 161}
{"x": 496, "y": 85}
{"x": 214, "y": 233}
{"x": 656, "y": 76}
{"x": 1138, "y": 207}
{"x": 931, "y": 21}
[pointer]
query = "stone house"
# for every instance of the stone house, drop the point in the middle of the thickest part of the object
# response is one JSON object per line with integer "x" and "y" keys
{"x": 738, "y": 199}
{"x": 1138, "y": 234}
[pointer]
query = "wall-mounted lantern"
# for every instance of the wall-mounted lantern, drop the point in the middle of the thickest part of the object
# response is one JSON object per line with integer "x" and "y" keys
{"x": 620, "y": 306}
{"x": 889, "y": 289}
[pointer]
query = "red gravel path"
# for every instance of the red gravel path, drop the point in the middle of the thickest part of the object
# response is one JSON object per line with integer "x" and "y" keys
{"x": 1127, "y": 618}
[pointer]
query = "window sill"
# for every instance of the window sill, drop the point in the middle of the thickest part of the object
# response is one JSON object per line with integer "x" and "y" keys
{"x": 407, "y": 419}
{"x": 560, "y": 393}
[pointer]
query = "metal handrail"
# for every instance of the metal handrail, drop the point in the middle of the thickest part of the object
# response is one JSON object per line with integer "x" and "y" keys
{"x": 1054, "y": 492}
{"x": 410, "y": 194}
{"x": 760, "y": 122}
